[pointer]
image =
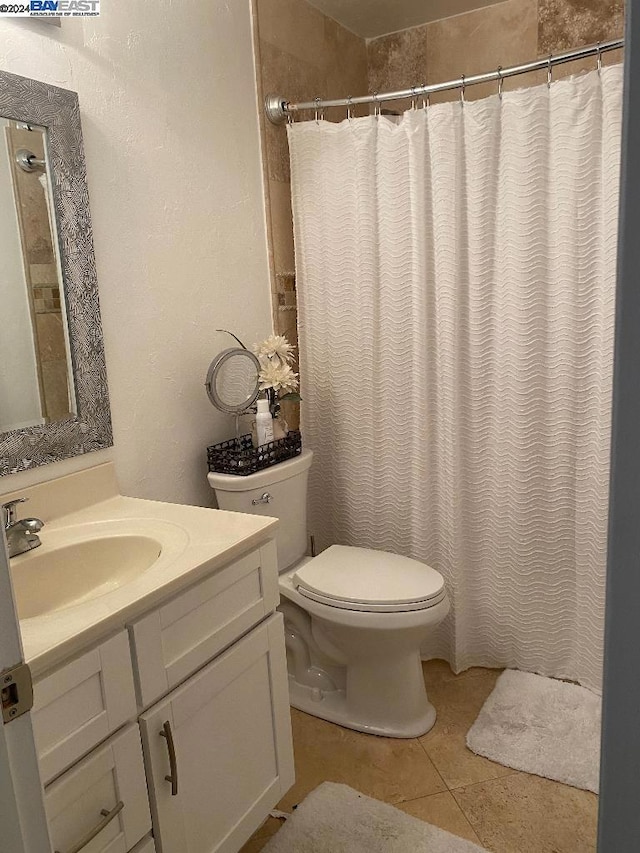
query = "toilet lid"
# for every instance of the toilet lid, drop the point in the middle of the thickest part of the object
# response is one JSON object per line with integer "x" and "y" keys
{"x": 364, "y": 579}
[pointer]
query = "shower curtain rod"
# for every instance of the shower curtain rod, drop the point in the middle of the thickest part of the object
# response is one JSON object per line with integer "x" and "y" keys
{"x": 279, "y": 110}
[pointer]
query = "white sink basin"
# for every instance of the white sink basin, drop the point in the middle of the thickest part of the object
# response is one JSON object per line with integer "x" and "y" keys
{"x": 78, "y": 564}
{"x": 106, "y": 559}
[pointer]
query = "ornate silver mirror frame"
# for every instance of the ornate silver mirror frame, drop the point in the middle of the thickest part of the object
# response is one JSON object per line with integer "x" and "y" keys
{"x": 58, "y": 111}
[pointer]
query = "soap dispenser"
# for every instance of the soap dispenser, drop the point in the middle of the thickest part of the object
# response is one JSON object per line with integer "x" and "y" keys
{"x": 264, "y": 422}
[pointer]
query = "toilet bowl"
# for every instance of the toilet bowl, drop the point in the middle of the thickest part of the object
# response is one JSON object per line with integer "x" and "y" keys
{"x": 355, "y": 618}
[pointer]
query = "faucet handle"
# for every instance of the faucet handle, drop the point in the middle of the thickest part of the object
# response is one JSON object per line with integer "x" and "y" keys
{"x": 9, "y": 511}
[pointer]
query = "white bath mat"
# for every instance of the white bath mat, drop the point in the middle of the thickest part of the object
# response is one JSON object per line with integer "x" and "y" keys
{"x": 336, "y": 819}
{"x": 542, "y": 726}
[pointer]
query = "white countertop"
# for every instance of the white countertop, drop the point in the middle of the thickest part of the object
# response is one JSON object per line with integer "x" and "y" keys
{"x": 196, "y": 542}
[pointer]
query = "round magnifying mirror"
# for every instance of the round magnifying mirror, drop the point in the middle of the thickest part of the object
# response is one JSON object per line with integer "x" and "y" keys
{"x": 232, "y": 380}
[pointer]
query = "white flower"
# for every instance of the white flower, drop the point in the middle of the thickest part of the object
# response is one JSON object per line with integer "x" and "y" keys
{"x": 275, "y": 346}
{"x": 277, "y": 375}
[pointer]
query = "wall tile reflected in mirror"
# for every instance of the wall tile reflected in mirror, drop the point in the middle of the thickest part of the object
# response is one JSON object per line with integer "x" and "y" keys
{"x": 36, "y": 383}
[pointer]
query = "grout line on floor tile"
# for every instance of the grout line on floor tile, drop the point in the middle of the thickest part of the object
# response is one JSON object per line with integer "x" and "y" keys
{"x": 468, "y": 822}
{"x": 438, "y": 794}
{"x": 433, "y": 764}
{"x": 486, "y": 781}
{"x": 510, "y": 772}
{"x": 475, "y": 828}
{"x": 420, "y": 797}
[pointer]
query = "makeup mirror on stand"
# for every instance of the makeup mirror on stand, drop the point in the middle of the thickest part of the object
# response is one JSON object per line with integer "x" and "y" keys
{"x": 232, "y": 382}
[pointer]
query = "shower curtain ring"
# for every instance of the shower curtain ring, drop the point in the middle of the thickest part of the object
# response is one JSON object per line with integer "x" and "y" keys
{"x": 462, "y": 88}
{"x": 549, "y": 71}
{"x": 349, "y": 110}
{"x": 500, "y": 81}
{"x": 426, "y": 100}
{"x": 376, "y": 104}
{"x": 599, "y": 53}
{"x": 414, "y": 103}
{"x": 319, "y": 110}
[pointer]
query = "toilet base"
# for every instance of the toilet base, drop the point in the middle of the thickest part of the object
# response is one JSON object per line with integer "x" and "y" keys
{"x": 332, "y": 706}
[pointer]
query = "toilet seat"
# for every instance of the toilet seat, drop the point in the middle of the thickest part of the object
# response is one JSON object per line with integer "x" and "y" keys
{"x": 373, "y": 581}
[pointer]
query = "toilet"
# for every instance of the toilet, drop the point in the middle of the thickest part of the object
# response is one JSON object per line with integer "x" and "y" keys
{"x": 355, "y": 618}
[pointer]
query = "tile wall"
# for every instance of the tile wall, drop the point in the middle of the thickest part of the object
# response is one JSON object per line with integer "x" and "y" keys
{"x": 41, "y": 275}
{"x": 302, "y": 54}
{"x": 507, "y": 33}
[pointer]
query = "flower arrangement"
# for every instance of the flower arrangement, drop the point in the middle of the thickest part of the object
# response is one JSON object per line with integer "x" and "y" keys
{"x": 277, "y": 378}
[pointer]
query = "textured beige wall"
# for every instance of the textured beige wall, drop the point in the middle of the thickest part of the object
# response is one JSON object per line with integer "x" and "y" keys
{"x": 170, "y": 126}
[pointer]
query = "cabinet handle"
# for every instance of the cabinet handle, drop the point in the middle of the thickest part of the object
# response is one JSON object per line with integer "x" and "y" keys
{"x": 173, "y": 762}
{"x": 107, "y": 817}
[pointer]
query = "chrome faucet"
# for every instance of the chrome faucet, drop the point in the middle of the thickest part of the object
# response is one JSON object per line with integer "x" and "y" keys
{"x": 22, "y": 535}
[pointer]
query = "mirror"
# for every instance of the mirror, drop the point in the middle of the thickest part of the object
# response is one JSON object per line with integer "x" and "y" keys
{"x": 36, "y": 383}
{"x": 232, "y": 380}
{"x": 54, "y": 401}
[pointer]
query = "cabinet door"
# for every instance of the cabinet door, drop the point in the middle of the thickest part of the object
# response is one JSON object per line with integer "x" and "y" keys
{"x": 233, "y": 756}
{"x": 102, "y": 802}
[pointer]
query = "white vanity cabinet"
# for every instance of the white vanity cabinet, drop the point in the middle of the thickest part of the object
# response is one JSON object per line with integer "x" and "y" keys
{"x": 173, "y": 735}
{"x": 218, "y": 748}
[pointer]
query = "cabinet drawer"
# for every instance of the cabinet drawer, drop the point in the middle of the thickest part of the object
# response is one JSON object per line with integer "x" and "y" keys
{"x": 80, "y": 801}
{"x": 181, "y": 636}
{"x": 81, "y": 704}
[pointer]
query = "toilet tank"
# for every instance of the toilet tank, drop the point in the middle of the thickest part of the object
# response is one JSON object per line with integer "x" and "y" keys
{"x": 286, "y": 486}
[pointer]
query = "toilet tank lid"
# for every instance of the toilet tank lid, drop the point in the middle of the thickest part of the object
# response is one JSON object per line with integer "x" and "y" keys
{"x": 369, "y": 577}
{"x": 267, "y": 477}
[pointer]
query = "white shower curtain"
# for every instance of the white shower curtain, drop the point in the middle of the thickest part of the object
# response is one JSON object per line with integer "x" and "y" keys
{"x": 456, "y": 277}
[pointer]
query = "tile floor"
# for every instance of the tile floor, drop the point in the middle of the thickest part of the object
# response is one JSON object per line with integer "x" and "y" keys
{"x": 437, "y": 779}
